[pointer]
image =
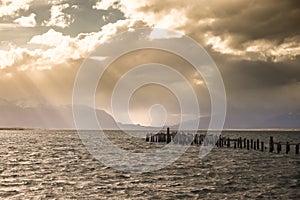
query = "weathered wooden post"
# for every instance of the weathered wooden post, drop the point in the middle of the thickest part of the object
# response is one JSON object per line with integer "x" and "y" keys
{"x": 200, "y": 139}
{"x": 262, "y": 146}
{"x": 257, "y": 144}
{"x": 278, "y": 147}
{"x": 244, "y": 143}
{"x": 251, "y": 142}
{"x": 195, "y": 139}
{"x": 248, "y": 144}
{"x": 168, "y": 135}
{"x": 297, "y": 148}
{"x": 287, "y": 148}
{"x": 222, "y": 141}
{"x": 228, "y": 142}
{"x": 147, "y": 137}
{"x": 271, "y": 144}
{"x": 241, "y": 143}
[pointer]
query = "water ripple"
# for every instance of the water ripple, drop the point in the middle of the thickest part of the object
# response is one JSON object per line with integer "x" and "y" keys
{"x": 55, "y": 165}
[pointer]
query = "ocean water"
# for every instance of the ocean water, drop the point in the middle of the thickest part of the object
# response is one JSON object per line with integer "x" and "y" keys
{"x": 40, "y": 164}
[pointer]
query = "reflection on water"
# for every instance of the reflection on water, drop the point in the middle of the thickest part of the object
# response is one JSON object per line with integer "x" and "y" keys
{"x": 55, "y": 165}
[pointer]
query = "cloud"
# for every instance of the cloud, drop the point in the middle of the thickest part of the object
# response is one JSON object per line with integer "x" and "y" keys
{"x": 12, "y": 7}
{"x": 234, "y": 28}
{"x": 266, "y": 49}
{"x": 254, "y": 43}
{"x": 21, "y": 58}
{"x": 27, "y": 21}
{"x": 51, "y": 38}
{"x": 58, "y": 17}
{"x": 106, "y": 4}
{"x": 53, "y": 48}
{"x": 75, "y": 7}
{"x": 262, "y": 49}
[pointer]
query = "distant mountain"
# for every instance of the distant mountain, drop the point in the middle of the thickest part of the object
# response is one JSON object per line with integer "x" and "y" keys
{"x": 48, "y": 117}
{"x": 55, "y": 117}
{"x": 14, "y": 114}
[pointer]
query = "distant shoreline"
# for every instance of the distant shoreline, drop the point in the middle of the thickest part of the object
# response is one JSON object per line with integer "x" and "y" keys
{"x": 200, "y": 130}
{"x": 14, "y": 129}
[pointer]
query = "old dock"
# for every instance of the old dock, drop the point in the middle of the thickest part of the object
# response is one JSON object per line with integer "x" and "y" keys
{"x": 223, "y": 142}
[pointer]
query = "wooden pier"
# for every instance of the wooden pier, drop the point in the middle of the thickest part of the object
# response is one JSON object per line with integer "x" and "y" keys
{"x": 222, "y": 142}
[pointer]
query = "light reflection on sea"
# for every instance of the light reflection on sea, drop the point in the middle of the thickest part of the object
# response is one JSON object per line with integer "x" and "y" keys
{"x": 55, "y": 165}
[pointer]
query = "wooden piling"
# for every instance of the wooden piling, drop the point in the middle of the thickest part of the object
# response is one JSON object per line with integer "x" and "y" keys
{"x": 168, "y": 139}
{"x": 201, "y": 139}
{"x": 195, "y": 139}
{"x": 184, "y": 139}
{"x": 221, "y": 142}
{"x": 287, "y": 148}
{"x": 241, "y": 143}
{"x": 271, "y": 144}
{"x": 228, "y": 142}
{"x": 248, "y": 144}
{"x": 278, "y": 147}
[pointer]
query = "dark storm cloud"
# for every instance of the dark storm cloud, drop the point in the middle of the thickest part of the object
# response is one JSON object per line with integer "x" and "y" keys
{"x": 269, "y": 20}
{"x": 238, "y": 24}
{"x": 260, "y": 75}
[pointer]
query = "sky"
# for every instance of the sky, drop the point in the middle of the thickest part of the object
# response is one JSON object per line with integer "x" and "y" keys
{"x": 255, "y": 45}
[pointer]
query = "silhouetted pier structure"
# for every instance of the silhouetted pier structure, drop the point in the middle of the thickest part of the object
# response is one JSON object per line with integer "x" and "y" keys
{"x": 221, "y": 142}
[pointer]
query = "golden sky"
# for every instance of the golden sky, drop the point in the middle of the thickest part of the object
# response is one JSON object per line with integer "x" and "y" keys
{"x": 254, "y": 43}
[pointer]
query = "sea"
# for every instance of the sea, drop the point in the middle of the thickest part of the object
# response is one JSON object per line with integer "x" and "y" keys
{"x": 54, "y": 164}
